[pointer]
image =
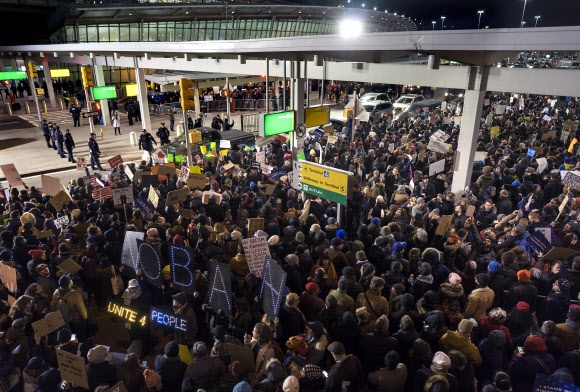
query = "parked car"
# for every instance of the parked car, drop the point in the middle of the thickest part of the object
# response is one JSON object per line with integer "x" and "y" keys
{"x": 453, "y": 93}
{"x": 404, "y": 101}
{"x": 416, "y": 108}
{"x": 378, "y": 111}
{"x": 370, "y": 100}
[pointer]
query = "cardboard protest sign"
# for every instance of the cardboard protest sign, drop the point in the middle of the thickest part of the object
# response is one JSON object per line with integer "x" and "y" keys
{"x": 8, "y": 277}
{"x": 549, "y": 134}
{"x": 480, "y": 156}
{"x": 144, "y": 206}
{"x": 256, "y": 250}
{"x": 50, "y": 323}
{"x": 261, "y": 157}
{"x": 102, "y": 193}
{"x": 72, "y": 368}
{"x": 130, "y": 253}
{"x": 273, "y": 282}
{"x": 44, "y": 234}
{"x": 177, "y": 196}
{"x": 81, "y": 163}
{"x": 255, "y": 224}
{"x": 187, "y": 214}
{"x": 205, "y": 196}
{"x": 446, "y": 221}
{"x": 552, "y": 384}
{"x": 153, "y": 196}
{"x": 436, "y": 167}
{"x": 470, "y": 211}
{"x": 60, "y": 200}
{"x": 219, "y": 295}
{"x": 500, "y": 109}
{"x": 50, "y": 185}
{"x": 270, "y": 189}
{"x": 11, "y": 174}
{"x": 184, "y": 174}
{"x": 229, "y": 166}
{"x": 149, "y": 181}
{"x": 182, "y": 268}
{"x": 196, "y": 181}
{"x": 61, "y": 222}
{"x": 115, "y": 161}
{"x": 558, "y": 253}
{"x": 571, "y": 180}
{"x": 538, "y": 243}
{"x": 165, "y": 170}
{"x": 542, "y": 164}
{"x": 69, "y": 266}
{"x": 150, "y": 263}
{"x": 119, "y": 387}
{"x": 437, "y": 146}
{"x": 122, "y": 196}
{"x": 244, "y": 355}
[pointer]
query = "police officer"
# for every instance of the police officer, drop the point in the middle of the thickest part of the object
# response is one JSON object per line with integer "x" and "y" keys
{"x": 145, "y": 143}
{"x": 69, "y": 143}
{"x": 52, "y": 129}
{"x": 76, "y": 115}
{"x": 198, "y": 121}
{"x": 95, "y": 152}
{"x": 46, "y": 133}
{"x": 163, "y": 134}
{"x": 59, "y": 142}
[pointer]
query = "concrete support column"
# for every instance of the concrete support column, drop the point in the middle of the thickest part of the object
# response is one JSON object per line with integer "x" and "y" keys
{"x": 298, "y": 93}
{"x": 142, "y": 98}
{"x": 470, "y": 124}
{"x": 196, "y": 100}
{"x": 48, "y": 79}
{"x": 100, "y": 81}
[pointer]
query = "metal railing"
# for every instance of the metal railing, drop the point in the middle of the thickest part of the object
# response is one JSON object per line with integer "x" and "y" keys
{"x": 249, "y": 122}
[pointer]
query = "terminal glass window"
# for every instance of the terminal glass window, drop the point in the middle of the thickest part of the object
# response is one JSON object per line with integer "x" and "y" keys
{"x": 134, "y": 32}
{"x": 124, "y": 34}
{"x": 162, "y": 31}
{"x": 92, "y": 34}
{"x": 104, "y": 33}
{"x": 83, "y": 34}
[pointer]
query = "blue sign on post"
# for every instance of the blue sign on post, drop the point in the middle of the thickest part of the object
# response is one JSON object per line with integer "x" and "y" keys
{"x": 553, "y": 384}
{"x": 144, "y": 206}
{"x": 275, "y": 174}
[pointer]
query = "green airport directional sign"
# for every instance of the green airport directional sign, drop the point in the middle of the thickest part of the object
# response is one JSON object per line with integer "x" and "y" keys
{"x": 12, "y": 75}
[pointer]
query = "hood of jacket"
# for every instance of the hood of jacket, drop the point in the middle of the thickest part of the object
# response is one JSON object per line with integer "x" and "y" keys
{"x": 435, "y": 320}
{"x": 452, "y": 290}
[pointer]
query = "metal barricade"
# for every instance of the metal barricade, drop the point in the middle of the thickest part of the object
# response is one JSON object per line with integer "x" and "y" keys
{"x": 249, "y": 122}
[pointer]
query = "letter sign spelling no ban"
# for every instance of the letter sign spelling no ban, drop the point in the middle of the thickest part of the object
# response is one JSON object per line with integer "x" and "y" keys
{"x": 182, "y": 268}
{"x": 273, "y": 281}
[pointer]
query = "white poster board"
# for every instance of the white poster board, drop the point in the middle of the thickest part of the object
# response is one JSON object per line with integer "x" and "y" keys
{"x": 256, "y": 249}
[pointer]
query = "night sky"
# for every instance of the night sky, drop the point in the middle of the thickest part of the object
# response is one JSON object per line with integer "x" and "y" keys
{"x": 462, "y": 14}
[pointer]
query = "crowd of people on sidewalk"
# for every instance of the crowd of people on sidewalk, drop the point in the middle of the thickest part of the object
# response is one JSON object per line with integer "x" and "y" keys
{"x": 413, "y": 288}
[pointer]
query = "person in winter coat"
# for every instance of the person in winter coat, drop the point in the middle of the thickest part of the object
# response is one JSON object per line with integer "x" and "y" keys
{"x": 492, "y": 350}
{"x": 99, "y": 371}
{"x": 534, "y": 360}
{"x": 169, "y": 366}
{"x": 439, "y": 271}
{"x": 521, "y": 320}
{"x": 485, "y": 180}
{"x": 557, "y": 302}
{"x": 494, "y": 321}
{"x": 433, "y": 329}
{"x": 452, "y": 300}
{"x": 407, "y": 308}
{"x": 204, "y": 372}
{"x": 310, "y": 304}
{"x": 522, "y": 291}
{"x": 345, "y": 302}
{"x": 373, "y": 301}
{"x": 480, "y": 299}
{"x": 569, "y": 331}
{"x": 317, "y": 343}
{"x": 291, "y": 318}
{"x": 184, "y": 310}
{"x": 346, "y": 371}
{"x": 438, "y": 370}
{"x": 374, "y": 345}
{"x": 459, "y": 340}
{"x": 392, "y": 377}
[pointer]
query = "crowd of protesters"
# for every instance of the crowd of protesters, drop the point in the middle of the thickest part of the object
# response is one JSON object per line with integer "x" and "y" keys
{"x": 380, "y": 299}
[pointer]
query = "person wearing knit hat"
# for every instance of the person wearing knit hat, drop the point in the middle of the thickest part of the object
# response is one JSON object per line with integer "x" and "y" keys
{"x": 291, "y": 384}
{"x": 438, "y": 373}
{"x": 460, "y": 340}
{"x": 494, "y": 266}
{"x": 153, "y": 380}
{"x": 390, "y": 378}
{"x": 310, "y": 304}
{"x": 523, "y": 290}
{"x": 452, "y": 238}
{"x": 569, "y": 331}
{"x": 454, "y": 278}
{"x": 480, "y": 299}
{"x": 97, "y": 354}
{"x": 534, "y": 360}
{"x": 171, "y": 367}
{"x": 399, "y": 247}
{"x": 242, "y": 387}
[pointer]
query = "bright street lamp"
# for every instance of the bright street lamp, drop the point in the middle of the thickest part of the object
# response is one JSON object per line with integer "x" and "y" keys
{"x": 442, "y": 21}
{"x": 537, "y": 17}
{"x": 523, "y": 23}
{"x": 433, "y": 24}
{"x": 479, "y": 22}
{"x": 523, "y": 12}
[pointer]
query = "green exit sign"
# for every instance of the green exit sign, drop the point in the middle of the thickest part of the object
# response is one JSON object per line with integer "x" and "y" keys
{"x": 276, "y": 123}
{"x": 13, "y": 75}
{"x": 104, "y": 92}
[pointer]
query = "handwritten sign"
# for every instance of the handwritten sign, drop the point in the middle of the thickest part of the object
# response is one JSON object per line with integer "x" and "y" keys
{"x": 115, "y": 161}
{"x": 446, "y": 221}
{"x": 102, "y": 193}
{"x": 184, "y": 174}
{"x": 81, "y": 163}
{"x": 255, "y": 224}
{"x": 122, "y": 196}
{"x": 60, "y": 200}
{"x": 72, "y": 368}
{"x": 177, "y": 196}
{"x": 50, "y": 185}
{"x": 571, "y": 180}
{"x": 436, "y": 146}
{"x": 196, "y": 181}
{"x": 61, "y": 221}
{"x": 166, "y": 170}
{"x": 470, "y": 211}
{"x": 256, "y": 250}
{"x": 153, "y": 196}
{"x": 11, "y": 174}
{"x": 50, "y": 323}
{"x": 8, "y": 277}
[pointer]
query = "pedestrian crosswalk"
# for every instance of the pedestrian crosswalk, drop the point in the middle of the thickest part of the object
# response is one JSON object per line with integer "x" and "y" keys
{"x": 60, "y": 117}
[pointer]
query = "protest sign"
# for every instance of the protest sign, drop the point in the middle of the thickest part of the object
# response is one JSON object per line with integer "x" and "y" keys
{"x": 130, "y": 253}
{"x": 8, "y": 277}
{"x": 447, "y": 120}
{"x": 500, "y": 109}
{"x": 177, "y": 196}
{"x": 537, "y": 242}
{"x": 50, "y": 323}
{"x": 229, "y": 166}
{"x": 69, "y": 266}
{"x": 122, "y": 196}
{"x": 549, "y": 134}
{"x": 182, "y": 268}
{"x": 196, "y": 181}
{"x": 277, "y": 173}
{"x": 494, "y": 131}
{"x": 44, "y": 234}
{"x": 547, "y": 232}
{"x": 187, "y": 214}
{"x": 571, "y": 180}
{"x": 102, "y": 193}
{"x": 72, "y": 368}
{"x": 205, "y": 196}
{"x": 436, "y": 167}
{"x": 61, "y": 221}
{"x": 446, "y": 221}
{"x": 558, "y": 253}
{"x": 255, "y": 224}
{"x": 184, "y": 174}
{"x": 436, "y": 146}
{"x": 545, "y": 383}
{"x": 166, "y": 170}
{"x": 162, "y": 318}
{"x": 470, "y": 211}
{"x": 11, "y": 174}
{"x": 261, "y": 157}
{"x": 115, "y": 161}
{"x": 144, "y": 206}
{"x": 480, "y": 156}
{"x": 224, "y": 143}
{"x": 220, "y": 293}
{"x": 50, "y": 185}
{"x": 531, "y": 152}
{"x": 439, "y": 136}
{"x": 81, "y": 163}
{"x": 153, "y": 196}
{"x": 119, "y": 387}
{"x": 270, "y": 189}
{"x": 150, "y": 263}
{"x": 60, "y": 200}
{"x": 542, "y": 164}
{"x": 273, "y": 282}
{"x": 256, "y": 250}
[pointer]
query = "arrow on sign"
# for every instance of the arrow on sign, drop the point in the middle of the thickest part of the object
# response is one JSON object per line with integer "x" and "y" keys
{"x": 299, "y": 185}
{"x": 299, "y": 167}
{"x": 299, "y": 176}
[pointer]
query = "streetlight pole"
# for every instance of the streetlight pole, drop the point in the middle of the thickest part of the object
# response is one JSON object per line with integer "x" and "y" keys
{"x": 433, "y": 24}
{"x": 537, "y": 17}
{"x": 523, "y": 12}
{"x": 442, "y": 21}
{"x": 479, "y": 22}
{"x": 523, "y": 23}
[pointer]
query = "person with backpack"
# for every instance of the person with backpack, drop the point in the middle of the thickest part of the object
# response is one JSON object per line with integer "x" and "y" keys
{"x": 71, "y": 305}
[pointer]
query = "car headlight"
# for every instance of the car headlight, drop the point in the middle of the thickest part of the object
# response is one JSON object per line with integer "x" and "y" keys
{"x": 460, "y": 95}
{"x": 446, "y": 94}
